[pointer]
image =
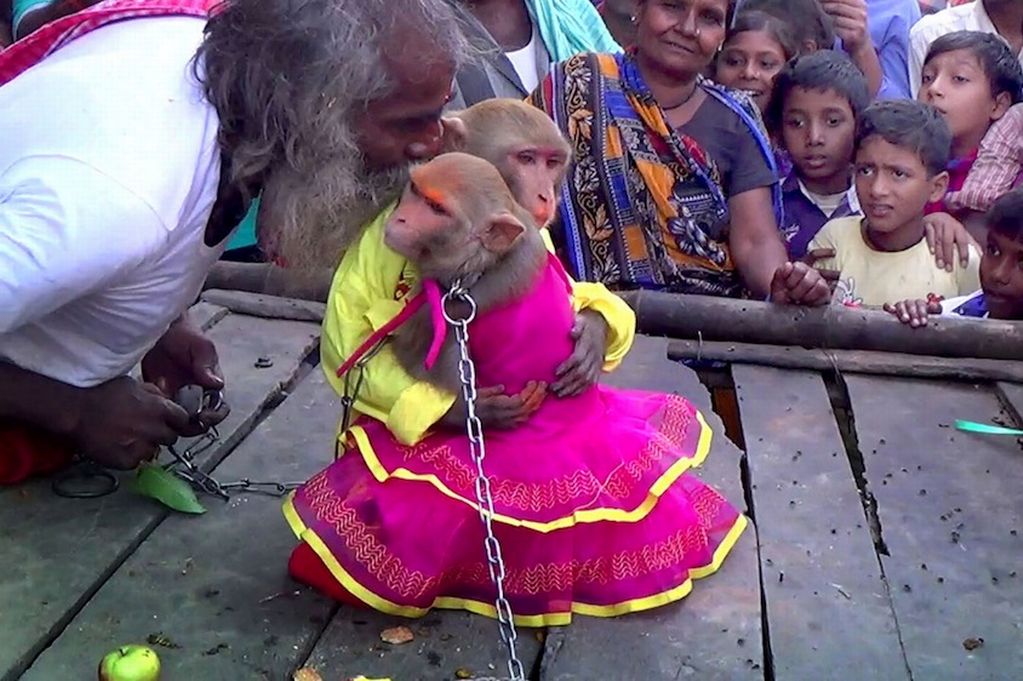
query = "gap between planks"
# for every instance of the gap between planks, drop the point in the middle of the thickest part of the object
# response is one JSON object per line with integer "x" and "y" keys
{"x": 821, "y": 580}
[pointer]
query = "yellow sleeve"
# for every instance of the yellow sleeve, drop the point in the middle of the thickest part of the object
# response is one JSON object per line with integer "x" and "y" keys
{"x": 620, "y": 318}
{"x": 362, "y": 298}
{"x": 968, "y": 278}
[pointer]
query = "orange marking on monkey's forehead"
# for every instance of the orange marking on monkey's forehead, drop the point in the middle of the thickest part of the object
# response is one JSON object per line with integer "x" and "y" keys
{"x": 430, "y": 192}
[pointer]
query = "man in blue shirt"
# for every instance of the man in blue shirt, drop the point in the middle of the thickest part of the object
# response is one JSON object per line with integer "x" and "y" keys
{"x": 889, "y": 22}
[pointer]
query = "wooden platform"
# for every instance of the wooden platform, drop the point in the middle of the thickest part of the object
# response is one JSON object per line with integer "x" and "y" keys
{"x": 886, "y": 545}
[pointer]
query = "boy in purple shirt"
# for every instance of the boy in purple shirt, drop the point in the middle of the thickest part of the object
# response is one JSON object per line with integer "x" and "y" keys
{"x": 816, "y": 101}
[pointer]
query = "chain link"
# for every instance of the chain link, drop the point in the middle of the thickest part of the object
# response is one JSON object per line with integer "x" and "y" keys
{"x": 478, "y": 450}
{"x": 350, "y": 395}
{"x": 184, "y": 467}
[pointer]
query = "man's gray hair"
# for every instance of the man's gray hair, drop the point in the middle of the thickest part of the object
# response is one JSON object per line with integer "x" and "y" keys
{"x": 281, "y": 73}
{"x": 288, "y": 79}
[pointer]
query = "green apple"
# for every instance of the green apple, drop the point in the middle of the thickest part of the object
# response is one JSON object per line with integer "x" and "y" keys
{"x": 130, "y": 663}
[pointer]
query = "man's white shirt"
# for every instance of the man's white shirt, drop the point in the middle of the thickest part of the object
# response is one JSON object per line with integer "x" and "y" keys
{"x": 109, "y": 169}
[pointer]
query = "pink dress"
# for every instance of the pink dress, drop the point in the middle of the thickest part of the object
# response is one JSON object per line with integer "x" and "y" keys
{"x": 593, "y": 507}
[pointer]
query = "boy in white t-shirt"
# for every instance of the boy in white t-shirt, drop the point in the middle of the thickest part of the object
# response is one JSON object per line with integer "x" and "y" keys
{"x": 902, "y": 149}
{"x": 1001, "y": 273}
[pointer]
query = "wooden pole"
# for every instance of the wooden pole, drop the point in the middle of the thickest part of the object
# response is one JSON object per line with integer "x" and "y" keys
{"x": 851, "y": 361}
{"x": 269, "y": 279}
{"x": 258, "y": 305}
{"x": 831, "y": 327}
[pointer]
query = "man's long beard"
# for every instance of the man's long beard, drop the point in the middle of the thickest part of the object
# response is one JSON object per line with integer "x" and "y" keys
{"x": 309, "y": 222}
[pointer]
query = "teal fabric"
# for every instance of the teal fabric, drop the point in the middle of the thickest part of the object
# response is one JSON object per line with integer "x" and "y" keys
{"x": 569, "y": 27}
{"x": 19, "y": 8}
{"x": 245, "y": 234}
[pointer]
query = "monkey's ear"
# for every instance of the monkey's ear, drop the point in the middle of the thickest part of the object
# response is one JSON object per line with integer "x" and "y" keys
{"x": 501, "y": 233}
{"x": 455, "y": 133}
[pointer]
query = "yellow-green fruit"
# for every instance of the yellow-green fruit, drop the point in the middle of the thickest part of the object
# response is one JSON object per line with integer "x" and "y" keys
{"x": 130, "y": 663}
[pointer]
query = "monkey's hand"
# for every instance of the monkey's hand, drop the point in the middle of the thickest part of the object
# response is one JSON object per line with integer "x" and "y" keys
{"x": 582, "y": 369}
{"x": 497, "y": 410}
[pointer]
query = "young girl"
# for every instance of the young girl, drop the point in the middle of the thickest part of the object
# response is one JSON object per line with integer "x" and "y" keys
{"x": 592, "y": 505}
{"x": 757, "y": 47}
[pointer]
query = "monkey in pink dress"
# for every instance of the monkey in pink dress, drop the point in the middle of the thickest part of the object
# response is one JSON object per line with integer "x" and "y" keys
{"x": 594, "y": 507}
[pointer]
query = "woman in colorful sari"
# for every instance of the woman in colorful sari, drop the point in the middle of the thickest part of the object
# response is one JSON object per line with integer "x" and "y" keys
{"x": 673, "y": 186}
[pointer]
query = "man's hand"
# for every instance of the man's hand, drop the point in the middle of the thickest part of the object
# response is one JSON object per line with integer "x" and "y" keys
{"x": 497, "y": 410}
{"x": 122, "y": 422}
{"x": 850, "y": 18}
{"x": 799, "y": 284}
{"x": 815, "y": 256}
{"x": 913, "y": 312}
{"x": 184, "y": 356}
{"x": 582, "y": 369}
{"x": 946, "y": 238}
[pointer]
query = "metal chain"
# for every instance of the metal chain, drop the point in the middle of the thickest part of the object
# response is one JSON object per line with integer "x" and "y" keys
{"x": 478, "y": 450}
{"x": 184, "y": 467}
{"x": 350, "y": 396}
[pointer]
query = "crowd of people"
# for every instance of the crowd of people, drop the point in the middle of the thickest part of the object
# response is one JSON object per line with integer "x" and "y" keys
{"x": 802, "y": 152}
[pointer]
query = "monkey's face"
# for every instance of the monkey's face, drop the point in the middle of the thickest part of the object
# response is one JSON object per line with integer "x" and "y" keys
{"x": 455, "y": 218}
{"x": 533, "y": 174}
{"x": 525, "y": 146}
{"x": 426, "y": 232}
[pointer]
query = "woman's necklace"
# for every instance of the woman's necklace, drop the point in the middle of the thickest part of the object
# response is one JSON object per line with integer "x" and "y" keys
{"x": 683, "y": 102}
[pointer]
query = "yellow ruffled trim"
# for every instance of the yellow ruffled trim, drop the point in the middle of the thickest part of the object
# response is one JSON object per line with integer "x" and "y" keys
{"x": 592, "y": 515}
{"x": 488, "y": 610}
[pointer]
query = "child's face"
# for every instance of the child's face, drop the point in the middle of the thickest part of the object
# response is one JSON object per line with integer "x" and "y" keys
{"x": 955, "y": 84}
{"x": 1001, "y": 276}
{"x": 749, "y": 61}
{"x": 818, "y": 129}
{"x": 893, "y": 186}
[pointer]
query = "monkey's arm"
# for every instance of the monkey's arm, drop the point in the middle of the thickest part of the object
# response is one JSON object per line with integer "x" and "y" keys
{"x": 361, "y": 300}
{"x": 621, "y": 320}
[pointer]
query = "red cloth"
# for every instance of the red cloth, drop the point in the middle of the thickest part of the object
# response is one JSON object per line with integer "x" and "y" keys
{"x": 35, "y": 47}
{"x": 306, "y": 567}
{"x": 26, "y": 451}
{"x": 958, "y": 170}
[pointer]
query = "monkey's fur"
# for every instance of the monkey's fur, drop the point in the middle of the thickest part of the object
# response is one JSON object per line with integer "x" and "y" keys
{"x": 492, "y": 278}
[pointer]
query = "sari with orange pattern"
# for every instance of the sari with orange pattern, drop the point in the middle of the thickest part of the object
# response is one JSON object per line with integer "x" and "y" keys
{"x": 642, "y": 205}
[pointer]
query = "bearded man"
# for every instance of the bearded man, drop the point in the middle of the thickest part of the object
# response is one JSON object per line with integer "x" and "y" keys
{"x": 142, "y": 134}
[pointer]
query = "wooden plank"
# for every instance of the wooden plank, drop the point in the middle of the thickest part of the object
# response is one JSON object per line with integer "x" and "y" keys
{"x": 1011, "y": 395}
{"x": 821, "y": 576}
{"x": 951, "y": 517}
{"x": 715, "y": 632}
{"x": 216, "y": 585}
{"x": 445, "y": 642}
{"x": 57, "y": 552}
{"x": 207, "y": 314}
{"x": 856, "y": 361}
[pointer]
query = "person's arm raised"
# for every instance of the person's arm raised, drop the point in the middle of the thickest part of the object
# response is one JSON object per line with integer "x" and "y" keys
{"x": 850, "y": 17}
